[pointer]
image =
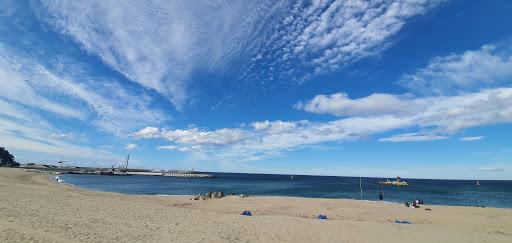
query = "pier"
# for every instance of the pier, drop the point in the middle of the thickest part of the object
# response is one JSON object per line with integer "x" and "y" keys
{"x": 193, "y": 175}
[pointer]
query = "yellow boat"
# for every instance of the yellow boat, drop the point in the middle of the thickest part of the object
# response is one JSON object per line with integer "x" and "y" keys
{"x": 398, "y": 182}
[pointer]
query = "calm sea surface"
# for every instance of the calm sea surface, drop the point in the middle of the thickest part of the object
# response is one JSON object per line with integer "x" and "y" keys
{"x": 443, "y": 192}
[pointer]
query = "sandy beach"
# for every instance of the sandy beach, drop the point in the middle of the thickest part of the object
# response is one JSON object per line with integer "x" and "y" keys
{"x": 35, "y": 209}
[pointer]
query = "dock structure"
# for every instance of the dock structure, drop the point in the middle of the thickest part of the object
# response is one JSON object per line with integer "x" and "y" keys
{"x": 122, "y": 170}
{"x": 193, "y": 175}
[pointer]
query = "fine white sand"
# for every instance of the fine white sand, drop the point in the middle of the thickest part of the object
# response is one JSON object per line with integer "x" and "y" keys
{"x": 35, "y": 209}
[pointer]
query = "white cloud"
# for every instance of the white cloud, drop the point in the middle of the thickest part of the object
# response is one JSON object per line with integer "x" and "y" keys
{"x": 148, "y": 132}
{"x": 340, "y": 104}
{"x": 161, "y": 43}
{"x": 168, "y": 147}
{"x": 412, "y": 137}
{"x": 38, "y": 93}
{"x": 107, "y": 146}
{"x": 18, "y": 89}
{"x": 326, "y": 35}
{"x": 448, "y": 114}
{"x": 489, "y": 66}
{"x": 193, "y": 135}
{"x": 63, "y": 136}
{"x": 437, "y": 116}
{"x": 131, "y": 146}
{"x": 30, "y": 136}
{"x": 180, "y": 148}
{"x": 278, "y": 126}
{"x": 158, "y": 44}
{"x": 71, "y": 94}
{"x": 471, "y": 138}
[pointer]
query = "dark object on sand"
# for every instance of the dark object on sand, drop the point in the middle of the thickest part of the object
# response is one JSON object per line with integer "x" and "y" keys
{"x": 322, "y": 217}
{"x": 209, "y": 195}
{"x": 247, "y": 213}
{"x": 233, "y": 193}
{"x": 402, "y": 222}
{"x": 412, "y": 205}
{"x": 428, "y": 209}
{"x": 415, "y": 205}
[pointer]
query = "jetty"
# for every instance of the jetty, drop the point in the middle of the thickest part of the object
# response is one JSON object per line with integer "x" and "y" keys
{"x": 193, "y": 175}
{"x": 121, "y": 170}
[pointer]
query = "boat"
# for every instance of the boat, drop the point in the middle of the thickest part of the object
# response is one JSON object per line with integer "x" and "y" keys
{"x": 477, "y": 183}
{"x": 397, "y": 182}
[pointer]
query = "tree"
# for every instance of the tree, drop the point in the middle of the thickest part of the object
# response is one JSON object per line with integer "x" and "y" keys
{"x": 6, "y": 158}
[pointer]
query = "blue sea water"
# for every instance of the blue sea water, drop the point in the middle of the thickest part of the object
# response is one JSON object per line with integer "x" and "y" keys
{"x": 490, "y": 193}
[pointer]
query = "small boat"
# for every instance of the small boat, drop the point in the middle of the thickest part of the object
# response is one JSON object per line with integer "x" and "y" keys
{"x": 477, "y": 183}
{"x": 291, "y": 178}
{"x": 397, "y": 182}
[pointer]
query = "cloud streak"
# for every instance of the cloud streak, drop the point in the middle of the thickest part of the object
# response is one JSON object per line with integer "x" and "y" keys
{"x": 340, "y": 104}
{"x": 489, "y": 66}
{"x": 465, "y": 139}
{"x": 490, "y": 169}
{"x": 38, "y": 96}
{"x": 71, "y": 95}
{"x": 447, "y": 114}
{"x": 131, "y": 146}
{"x": 159, "y": 44}
{"x": 323, "y": 36}
{"x": 437, "y": 116}
{"x": 412, "y": 137}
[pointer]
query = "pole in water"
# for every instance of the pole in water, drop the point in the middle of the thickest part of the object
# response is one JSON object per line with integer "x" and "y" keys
{"x": 361, "y": 187}
{"x": 381, "y": 194}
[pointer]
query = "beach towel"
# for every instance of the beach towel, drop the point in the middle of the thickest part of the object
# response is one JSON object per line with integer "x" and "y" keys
{"x": 247, "y": 213}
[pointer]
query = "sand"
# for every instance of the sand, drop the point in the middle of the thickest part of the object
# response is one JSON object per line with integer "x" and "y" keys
{"x": 35, "y": 209}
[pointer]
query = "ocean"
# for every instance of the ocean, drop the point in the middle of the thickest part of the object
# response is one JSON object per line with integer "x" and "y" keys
{"x": 490, "y": 193}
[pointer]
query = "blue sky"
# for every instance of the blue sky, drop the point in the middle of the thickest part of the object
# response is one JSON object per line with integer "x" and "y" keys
{"x": 381, "y": 88}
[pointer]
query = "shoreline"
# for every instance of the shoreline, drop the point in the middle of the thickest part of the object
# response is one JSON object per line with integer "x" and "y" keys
{"x": 41, "y": 209}
{"x": 286, "y": 196}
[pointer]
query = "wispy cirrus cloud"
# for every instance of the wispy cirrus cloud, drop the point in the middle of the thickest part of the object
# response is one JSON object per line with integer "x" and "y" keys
{"x": 490, "y": 169}
{"x": 412, "y": 137}
{"x": 322, "y": 36}
{"x": 105, "y": 103}
{"x": 465, "y": 139}
{"x": 159, "y": 44}
{"x": 39, "y": 98}
{"x": 29, "y": 135}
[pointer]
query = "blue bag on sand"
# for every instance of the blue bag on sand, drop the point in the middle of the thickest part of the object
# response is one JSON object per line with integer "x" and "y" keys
{"x": 322, "y": 217}
{"x": 247, "y": 213}
{"x": 402, "y": 222}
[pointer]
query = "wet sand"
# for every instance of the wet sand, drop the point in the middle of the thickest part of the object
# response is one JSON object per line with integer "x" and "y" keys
{"x": 35, "y": 209}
